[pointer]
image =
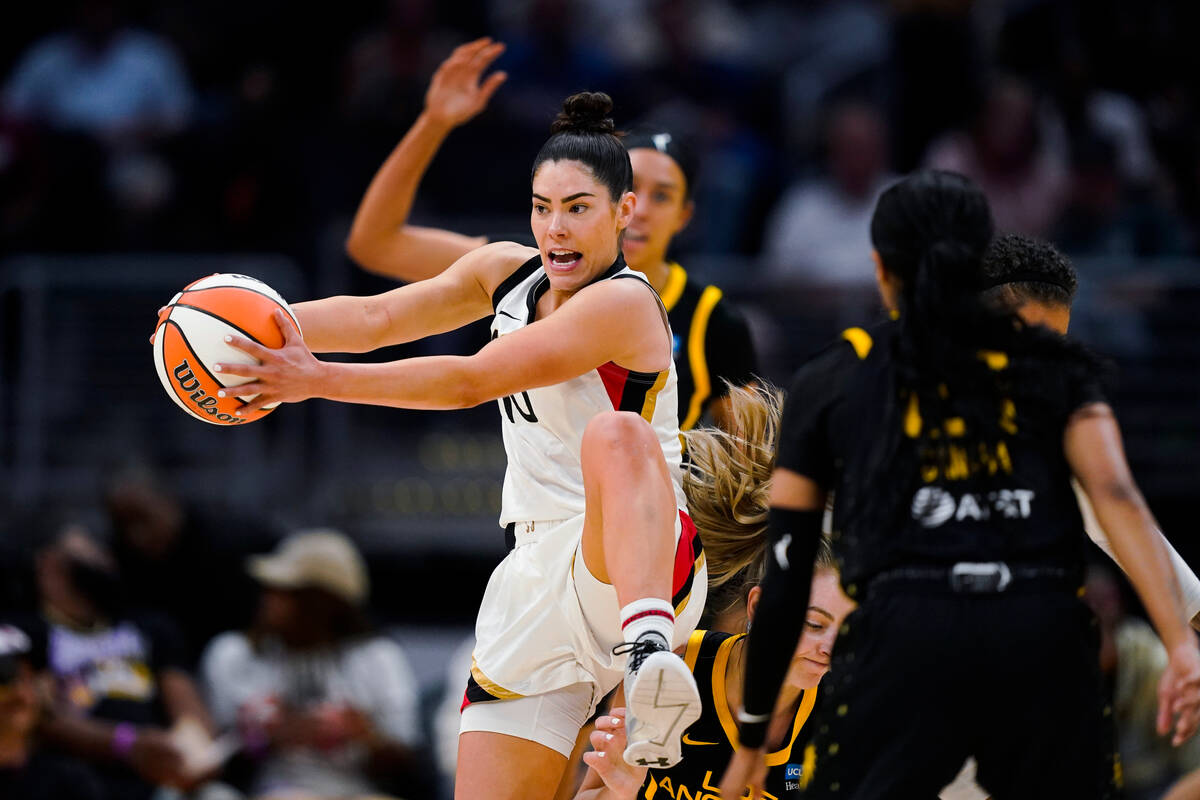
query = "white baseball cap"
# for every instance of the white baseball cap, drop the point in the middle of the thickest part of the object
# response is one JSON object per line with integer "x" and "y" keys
{"x": 315, "y": 559}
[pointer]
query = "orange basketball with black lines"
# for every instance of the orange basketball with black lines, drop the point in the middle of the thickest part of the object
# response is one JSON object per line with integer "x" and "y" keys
{"x": 190, "y": 338}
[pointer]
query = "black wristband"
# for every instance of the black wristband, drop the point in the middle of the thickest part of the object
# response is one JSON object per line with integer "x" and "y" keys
{"x": 752, "y": 733}
{"x": 793, "y": 538}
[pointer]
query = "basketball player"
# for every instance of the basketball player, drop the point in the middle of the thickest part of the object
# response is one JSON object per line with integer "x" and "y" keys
{"x": 717, "y": 659}
{"x": 1034, "y": 280}
{"x": 712, "y": 345}
{"x": 950, "y": 435}
{"x": 1037, "y": 282}
{"x": 606, "y": 556}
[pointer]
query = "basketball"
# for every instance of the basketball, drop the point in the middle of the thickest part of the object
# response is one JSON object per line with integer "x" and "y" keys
{"x": 190, "y": 337}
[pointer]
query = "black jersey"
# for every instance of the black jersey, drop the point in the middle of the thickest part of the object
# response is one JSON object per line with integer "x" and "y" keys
{"x": 711, "y": 344}
{"x": 709, "y": 743}
{"x": 1023, "y": 509}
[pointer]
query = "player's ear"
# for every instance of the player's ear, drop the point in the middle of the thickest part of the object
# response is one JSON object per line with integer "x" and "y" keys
{"x": 625, "y": 208}
{"x": 685, "y": 215}
{"x": 752, "y": 598}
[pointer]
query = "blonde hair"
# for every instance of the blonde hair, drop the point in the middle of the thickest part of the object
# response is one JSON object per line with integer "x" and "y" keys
{"x": 727, "y": 480}
{"x": 728, "y": 483}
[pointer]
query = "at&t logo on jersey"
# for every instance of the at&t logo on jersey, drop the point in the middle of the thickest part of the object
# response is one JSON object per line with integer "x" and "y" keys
{"x": 933, "y": 506}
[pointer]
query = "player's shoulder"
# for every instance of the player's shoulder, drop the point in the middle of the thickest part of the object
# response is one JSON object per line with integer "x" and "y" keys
{"x": 842, "y": 355}
{"x": 504, "y": 258}
{"x": 632, "y": 293}
{"x": 704, "y": 645}
{"x": 502, "y": 266}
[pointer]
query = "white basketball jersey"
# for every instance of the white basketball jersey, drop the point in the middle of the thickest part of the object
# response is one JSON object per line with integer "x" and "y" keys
{"x": 543, "y": 428}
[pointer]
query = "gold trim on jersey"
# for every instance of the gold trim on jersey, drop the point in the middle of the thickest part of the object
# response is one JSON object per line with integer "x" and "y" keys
{"x": 651, "y": 400}
{"x": 676, "y": 281}
{"x": 693, "y": 649}
{"x": 808, "y": 699}
{"x": 860, "y": 340}
{"x": 702, "y": 388}
{"x": 696, "y": 565}
{"x": 490, "y": 686}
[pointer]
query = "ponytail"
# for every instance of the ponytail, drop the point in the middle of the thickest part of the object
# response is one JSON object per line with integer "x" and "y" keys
{"x": 728, "y": 478}
{"x": 931, "y": 232}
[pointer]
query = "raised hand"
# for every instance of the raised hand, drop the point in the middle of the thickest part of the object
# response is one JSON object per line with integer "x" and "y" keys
{"x": 455, "y": 93}
{"x": 285, "y": 375}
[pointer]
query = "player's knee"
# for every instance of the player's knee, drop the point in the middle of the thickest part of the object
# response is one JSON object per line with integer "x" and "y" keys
{"x": 618, "y": 434}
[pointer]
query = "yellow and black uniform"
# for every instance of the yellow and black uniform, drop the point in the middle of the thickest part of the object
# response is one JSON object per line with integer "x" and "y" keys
{"x": 968, "y": 587}
{"x": 708, "y": 744}
{"x": 711, "y": 345}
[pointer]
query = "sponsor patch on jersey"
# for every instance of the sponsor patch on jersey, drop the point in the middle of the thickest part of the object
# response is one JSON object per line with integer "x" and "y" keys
{"x": 933, "y": 506}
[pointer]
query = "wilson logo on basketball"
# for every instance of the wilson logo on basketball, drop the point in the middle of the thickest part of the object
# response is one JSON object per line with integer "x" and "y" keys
{"x": 188, "y": 382}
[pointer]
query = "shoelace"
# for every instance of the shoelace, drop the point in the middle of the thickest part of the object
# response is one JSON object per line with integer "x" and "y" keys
{"x": 638, "y": 651}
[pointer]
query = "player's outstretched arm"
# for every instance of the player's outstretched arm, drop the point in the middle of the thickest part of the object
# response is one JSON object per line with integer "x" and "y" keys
{"x": 458, "y": 296}
{"x": 1189, "y": 583}
{"x": 610, "y": 321}
{"x": 1092, "y": 444}
{"x": 381, "y": 240}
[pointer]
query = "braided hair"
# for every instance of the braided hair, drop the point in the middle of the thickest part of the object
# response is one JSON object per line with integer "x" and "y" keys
{"x": 955, "y": 355}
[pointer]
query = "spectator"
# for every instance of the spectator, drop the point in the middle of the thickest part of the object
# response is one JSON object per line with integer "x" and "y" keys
{"x": 1133, "y": 659}
{"x": 820, "y": 231}
{"x": 170, "y": 554}
{"x": 105, "y": 95}
{"x": 323, "y": 707}
{"x": 27, "y": 771}
{"x": 1015, "y": 155}
{"x": 1108, "y": 216}
{"x": 119, "y": 683}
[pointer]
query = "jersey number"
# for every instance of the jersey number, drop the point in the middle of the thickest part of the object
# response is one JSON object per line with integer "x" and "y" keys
{"x": 514, "y": 401}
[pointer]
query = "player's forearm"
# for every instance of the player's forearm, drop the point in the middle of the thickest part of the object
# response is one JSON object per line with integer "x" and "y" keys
{"x": 388, "y": 200}
{"x": 341, "y": 324}
{"x": 428, "y": 383}
{"x": 1140, "y": 550}
{"x": 1189, "y": 583}
{"x": 793, "y": 538}
{"x": 360, "y": 324}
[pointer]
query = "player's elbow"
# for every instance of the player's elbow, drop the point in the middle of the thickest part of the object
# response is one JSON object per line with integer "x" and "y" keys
{"x": 468, "y": 387}
{"x": 1113, "y": 492}
{"x": 361, "y": 250}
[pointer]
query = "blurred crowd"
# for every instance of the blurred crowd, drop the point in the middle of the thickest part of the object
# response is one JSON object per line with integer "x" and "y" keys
{"x": 256, "y": 126}
{"x": 146, "y": 654}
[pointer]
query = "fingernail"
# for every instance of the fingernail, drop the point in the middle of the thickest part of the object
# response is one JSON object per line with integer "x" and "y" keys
{"x": 608, "y": 736}
{"x": 601, "y": 754}
{"x": 615, "y": 720}
{"x": 216, "y": 367}
{"x": 228, "y": 338}
{"x": 221, "y": 393}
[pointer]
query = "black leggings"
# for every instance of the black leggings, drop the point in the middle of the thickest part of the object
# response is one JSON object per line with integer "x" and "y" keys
{"x": 922, "y": 679}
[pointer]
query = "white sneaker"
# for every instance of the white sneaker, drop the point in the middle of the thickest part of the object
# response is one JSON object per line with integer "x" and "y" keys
{"x": 661, "y": 701}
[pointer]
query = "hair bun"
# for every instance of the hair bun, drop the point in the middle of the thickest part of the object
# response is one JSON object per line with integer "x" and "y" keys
{"x": 586, "y": 112}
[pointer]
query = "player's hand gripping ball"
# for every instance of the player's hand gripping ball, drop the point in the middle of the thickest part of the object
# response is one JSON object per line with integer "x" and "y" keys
{"x": 190, "y": 338}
